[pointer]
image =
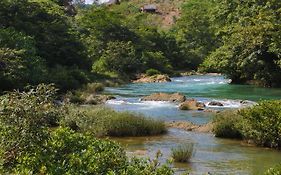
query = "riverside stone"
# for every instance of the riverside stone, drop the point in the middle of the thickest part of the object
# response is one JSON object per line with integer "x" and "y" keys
{"x": 153, "y": 79}
{"x": 192, "y": 104}
{"x": 175, "y": 97}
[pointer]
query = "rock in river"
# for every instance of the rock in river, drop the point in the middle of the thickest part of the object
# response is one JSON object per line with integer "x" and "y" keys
{"x": 215, "y": 103}
{"x": 192, "y": 104}
{"x": 153, "y": 79}
{"x": 176, "y": 97}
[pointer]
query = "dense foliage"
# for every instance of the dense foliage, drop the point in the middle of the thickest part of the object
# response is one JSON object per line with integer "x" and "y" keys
{"x": 37, "y": 42}
{"x": 195, "y": 33}
{"x": 32, "y": 142}
{"x": 249, "y": 34}
{"x": 67, "y": 43}
{"x": 260, "y": 124}
{"x": 24, "y": 118}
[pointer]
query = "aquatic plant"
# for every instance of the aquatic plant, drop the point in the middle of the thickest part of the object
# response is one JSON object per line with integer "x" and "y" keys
{"x": 183, "y": 152}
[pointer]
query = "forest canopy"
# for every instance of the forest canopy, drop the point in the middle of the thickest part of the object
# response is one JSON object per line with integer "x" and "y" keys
{"x": 69, "y": 43}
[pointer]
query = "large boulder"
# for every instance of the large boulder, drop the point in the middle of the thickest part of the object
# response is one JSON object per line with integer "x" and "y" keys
{"x": 176, "y": 97}
{"x": 153, "y": 79}
{"x": 192, "y": 104}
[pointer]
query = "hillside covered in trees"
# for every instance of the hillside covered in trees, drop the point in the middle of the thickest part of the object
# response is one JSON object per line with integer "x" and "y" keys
{"x": 65, "y": 48}
{"x": 69, "y": 43}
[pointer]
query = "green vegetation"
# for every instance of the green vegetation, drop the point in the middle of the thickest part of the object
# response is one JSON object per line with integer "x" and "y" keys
{"x": 71, "y": 44}
{"x": 87, "y": 94}
{"x": 151, "y": 72}
{"x": 33, "y": 46}
{"x": 274, "y": 171}
{"x": 74, "y": 46}
{"x": 100, "y": 121}
{"x": 227, "y": 124}
{"x": 182, "y": 153}
{"x": 249, "y": 44}
{"x": 32, "y": 142}
{"x": 260, "y": 123}
{"x": 194, "y": 32}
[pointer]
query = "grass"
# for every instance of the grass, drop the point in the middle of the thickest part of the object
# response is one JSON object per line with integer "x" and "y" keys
{"x": 182, "y": 153}
{"x": 100, "y": 121}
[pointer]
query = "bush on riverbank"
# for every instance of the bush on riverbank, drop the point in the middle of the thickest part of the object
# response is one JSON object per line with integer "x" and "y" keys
{"x": 32, "y": 143}
{"x": 24, "y": 119}
{"x": 182, "y": 153}
{"x": 226, "y": 124}
{"x": 260, "y": 124}
{"x": 151, "y": 72}
{"x": 100, "y": 121}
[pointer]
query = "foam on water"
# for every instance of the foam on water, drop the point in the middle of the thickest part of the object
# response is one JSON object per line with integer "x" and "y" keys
{"x": 136, "y": 102}
{"x": 201, "y": 80}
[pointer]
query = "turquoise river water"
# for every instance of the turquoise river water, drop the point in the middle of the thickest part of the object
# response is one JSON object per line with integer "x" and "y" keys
{"x": 213, "y": 155}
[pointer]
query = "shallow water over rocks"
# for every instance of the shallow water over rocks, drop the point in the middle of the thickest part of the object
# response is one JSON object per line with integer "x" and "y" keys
{"x": 217, "y": 156}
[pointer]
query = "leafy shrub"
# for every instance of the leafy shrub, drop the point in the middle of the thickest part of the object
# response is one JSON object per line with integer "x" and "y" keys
{"x": 274, "y": 171}
{"x": 226, "y": 125}
{"x": 262, "y": 123}
{"x": 147, "y": 166}
{"x": 24, "y": 118}
{"x": 103, "y": 121}
{"x": 182, "y": 153}
{"x": 67, "y": 152}
{"x": 151, "y": 72}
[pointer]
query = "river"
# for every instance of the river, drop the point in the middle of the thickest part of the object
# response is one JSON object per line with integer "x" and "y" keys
{"x": 214, "y": 155}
